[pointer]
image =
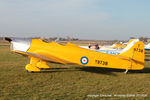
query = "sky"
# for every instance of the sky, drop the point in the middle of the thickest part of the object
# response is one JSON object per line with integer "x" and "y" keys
{"x": 83, "y": 19}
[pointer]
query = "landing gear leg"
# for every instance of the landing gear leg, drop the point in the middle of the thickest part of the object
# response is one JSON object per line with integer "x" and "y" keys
{"x": 36, "y": 65}
{"x": 126, "y": 71}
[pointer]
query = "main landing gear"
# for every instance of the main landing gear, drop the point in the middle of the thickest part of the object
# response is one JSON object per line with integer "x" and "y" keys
{"x": 36, "y": 65}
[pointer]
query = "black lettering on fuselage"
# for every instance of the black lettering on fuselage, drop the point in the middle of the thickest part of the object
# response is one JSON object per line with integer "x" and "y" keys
{"x": 101, "y": 62}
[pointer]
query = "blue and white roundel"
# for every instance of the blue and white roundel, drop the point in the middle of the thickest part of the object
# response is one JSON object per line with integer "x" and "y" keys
{"x": 84, "y": 60}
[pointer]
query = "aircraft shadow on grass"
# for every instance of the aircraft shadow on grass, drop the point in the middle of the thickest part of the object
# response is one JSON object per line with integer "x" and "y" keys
{"x": 110, "y": 71}
{"x": 86, "y": 69}
{"x": 51, "y": 70}
{"x": 144, "y": 71}
{"x": 147, "y": 59}
{"x": 97, "y": 70}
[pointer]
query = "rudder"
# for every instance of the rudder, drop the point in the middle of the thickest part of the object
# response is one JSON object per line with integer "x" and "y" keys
{"x": 135, "y": 53}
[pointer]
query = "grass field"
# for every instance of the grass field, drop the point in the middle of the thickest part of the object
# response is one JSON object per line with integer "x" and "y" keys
{"x": 69, "y": 82}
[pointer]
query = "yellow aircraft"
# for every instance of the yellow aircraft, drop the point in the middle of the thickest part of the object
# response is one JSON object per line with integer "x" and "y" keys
{"x": 40, "y": 52}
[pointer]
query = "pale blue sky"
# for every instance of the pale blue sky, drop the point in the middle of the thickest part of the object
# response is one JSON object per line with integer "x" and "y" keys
{"x": 85, "y": 19}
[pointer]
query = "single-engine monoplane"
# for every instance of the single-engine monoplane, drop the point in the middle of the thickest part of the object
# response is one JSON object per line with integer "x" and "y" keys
{"x": 40, "y": 52}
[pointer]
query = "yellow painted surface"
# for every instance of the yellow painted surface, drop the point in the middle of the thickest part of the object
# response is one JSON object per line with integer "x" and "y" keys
{"x": 132, "y": 59}
{"x": 32, "y": 68}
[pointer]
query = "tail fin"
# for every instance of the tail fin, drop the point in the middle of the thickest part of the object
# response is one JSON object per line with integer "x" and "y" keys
{"x": 132, "y": 40}
{"x": 135, "y": 53}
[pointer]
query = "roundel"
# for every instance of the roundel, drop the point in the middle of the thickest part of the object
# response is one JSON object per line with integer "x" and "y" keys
{"x": 84, "y": 60}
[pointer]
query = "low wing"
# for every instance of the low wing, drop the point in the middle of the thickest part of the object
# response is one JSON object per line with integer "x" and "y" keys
{"x": 52, "y": 59}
